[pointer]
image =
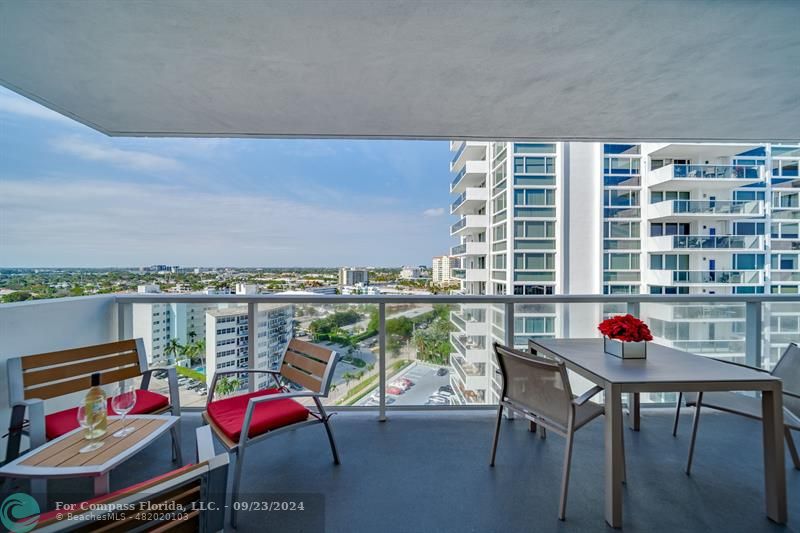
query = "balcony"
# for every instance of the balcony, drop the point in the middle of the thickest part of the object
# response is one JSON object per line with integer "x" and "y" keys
{"x": 470, "y": 274}
{"x": 467, "y": 150}
{"x": 706, "y": 277}
{"x": 470, "y": 224}
{"x": 473, "y": 173}
{"x": 707, "y": 177}
{"x": 472, "y": 198}
{"x": 706, "y": 243}
{"x": 691, "y": 210}
{"x": 456, "y": 450}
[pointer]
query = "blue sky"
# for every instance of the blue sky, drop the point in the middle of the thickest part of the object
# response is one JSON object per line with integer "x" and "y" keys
{"x": 70, "y": 196}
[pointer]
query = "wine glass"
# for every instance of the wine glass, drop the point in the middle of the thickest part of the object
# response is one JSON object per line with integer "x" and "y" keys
{"x": 123, "y": 403}
{"x": 89, "y": 422}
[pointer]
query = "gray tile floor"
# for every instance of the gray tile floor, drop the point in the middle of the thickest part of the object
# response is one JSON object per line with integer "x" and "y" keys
{"x": 421, "y": 472}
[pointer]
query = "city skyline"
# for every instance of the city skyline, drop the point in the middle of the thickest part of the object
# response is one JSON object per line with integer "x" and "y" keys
{"x": 72, "y": 196}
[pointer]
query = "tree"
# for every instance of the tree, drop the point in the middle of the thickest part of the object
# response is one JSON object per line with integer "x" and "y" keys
{"x": 19, "y": 296}
{"x": 226, "y": 386}
{"x": 173, "y": 348}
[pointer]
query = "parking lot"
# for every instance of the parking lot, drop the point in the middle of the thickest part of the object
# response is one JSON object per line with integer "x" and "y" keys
{"x": 426, "y": 382}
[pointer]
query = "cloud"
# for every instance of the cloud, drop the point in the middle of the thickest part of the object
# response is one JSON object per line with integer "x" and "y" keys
{"x": 434, "y": 212}
{"x": 81, "y": 222}
{"x": 132, "y": 159}
{"x": 14, "y": 104}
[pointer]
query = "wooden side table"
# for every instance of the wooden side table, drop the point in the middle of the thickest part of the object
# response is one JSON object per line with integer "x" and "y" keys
{"x": 61, "y": 458}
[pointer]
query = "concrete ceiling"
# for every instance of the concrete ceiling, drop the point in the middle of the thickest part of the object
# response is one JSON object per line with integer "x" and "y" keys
{"x": 573, "y": 70}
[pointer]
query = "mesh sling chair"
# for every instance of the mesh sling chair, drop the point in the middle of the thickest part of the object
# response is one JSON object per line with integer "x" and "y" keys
{"x": 539, "y": 390}
{"x": 242, "y": 420}
{"x": 787, "y": 368}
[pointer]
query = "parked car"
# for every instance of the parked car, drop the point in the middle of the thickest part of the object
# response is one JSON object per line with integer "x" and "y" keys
{"x": 443, "y": 371}
{"x": 400, "y": 384}
{"x": 394, "y": 390}
{"x": 446, "y": 388}
{"x": 407, "y": 381}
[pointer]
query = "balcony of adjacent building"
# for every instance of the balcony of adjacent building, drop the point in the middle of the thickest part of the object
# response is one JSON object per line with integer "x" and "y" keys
{"x": 706, "y": 243}
{"x": 705, "y": 176}
{"x": 471, "y": 347}
{"x": 470, "y": 225}
{"x": 705, "y": 278}
{"x": 469, "y": 201}
{"x": 479, "y": 248}
{"x": 471, "y": 175}
{"x": 692, "y": 210}
{"x": 466, "y": 151}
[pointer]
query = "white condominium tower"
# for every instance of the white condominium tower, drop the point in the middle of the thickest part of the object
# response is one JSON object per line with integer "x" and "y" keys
{"x": 353, "y": 276}
{"x": 442, "y": 270}
{"x": 228, "y": 335}
{"x": 648, "y": 218}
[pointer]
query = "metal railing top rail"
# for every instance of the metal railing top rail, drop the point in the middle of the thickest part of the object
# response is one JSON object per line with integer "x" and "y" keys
{"x": 452, "y": 299}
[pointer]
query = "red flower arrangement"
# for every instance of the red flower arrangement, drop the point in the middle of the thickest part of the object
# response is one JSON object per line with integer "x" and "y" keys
{"x": 625, "y": 328}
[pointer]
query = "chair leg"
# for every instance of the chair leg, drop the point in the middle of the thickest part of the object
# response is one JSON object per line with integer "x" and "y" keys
{"x": 695, "y": 423}
{"x": 677, "y": 414}
{"x": 237, "y": 477}
{"x": 496, "y": 434}
{"x": 542, "y": 432}
{"x": 325, "y": 421}
{"x": 15, "y": 432}
{"x": 562, "y": 508}
{"x": 532, "y": 426}
{"x": 792, "y": 450}
{"x": 624, "y": 467}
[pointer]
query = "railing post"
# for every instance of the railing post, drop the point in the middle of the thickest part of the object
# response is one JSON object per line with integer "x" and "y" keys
{"x": 382, "y": 361}
{"x": 251, "y": 345}
{"x": 124, "y": 321}
{"x": 753, "y": 329}
{"x": 508, "y": 332}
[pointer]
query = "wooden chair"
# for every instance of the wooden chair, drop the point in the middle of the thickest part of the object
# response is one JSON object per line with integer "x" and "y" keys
{"x": 787, "y": 368}
{"x": 32, "y": 379}
{"x": 538, "y": 389}
{"x": 199, "y": 488}
{"x": 243, "y": 420}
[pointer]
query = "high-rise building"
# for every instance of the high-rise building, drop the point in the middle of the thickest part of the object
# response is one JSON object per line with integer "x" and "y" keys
{"x": 353, "y": 276}
{"x": 228, "y": 335}
{"x": 594, "y": 218}
{"x": 441, "y": 270}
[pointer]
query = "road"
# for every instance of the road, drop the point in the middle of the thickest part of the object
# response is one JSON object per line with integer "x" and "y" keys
{"x": 426, "y": 382}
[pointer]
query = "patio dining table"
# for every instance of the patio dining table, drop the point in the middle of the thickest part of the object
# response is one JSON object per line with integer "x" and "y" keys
{"x": 669, "y": 370}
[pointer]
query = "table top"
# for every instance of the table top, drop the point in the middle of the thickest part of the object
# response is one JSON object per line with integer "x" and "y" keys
{"x": 61, "y": 457}
{"x": 664, "y": 368}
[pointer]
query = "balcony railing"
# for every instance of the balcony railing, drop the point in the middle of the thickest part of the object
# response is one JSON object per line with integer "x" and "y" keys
{"x": 722, "y": 277}
{"x": 458, "y": 177}
{"x": 458, "y": 225}
{"x": 720, "y": 207}
{"x": 458, "y": 201}
{"x": 458, "y": 153}
{"x": 717, "y": 171}
{"x": 105, "y": 318}
{"x": 458, "y": 249}
{"x": 718, "y": 242}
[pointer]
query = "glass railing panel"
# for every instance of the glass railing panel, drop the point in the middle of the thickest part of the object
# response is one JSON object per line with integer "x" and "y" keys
{"x": 717, "y": 171}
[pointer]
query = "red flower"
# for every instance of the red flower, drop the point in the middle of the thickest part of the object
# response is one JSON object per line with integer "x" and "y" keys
{"x": 626, "y": 328}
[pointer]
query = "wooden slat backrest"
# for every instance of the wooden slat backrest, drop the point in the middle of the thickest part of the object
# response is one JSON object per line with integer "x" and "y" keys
{"x": 307, "y": 364}
{"x": 53, "y": 374}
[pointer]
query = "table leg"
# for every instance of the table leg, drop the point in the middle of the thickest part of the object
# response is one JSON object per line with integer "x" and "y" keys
{"x": 614, "y": 459}
{"x": 634, "y": 407}
{"x": 39, "y": 492}
{"x": 774, "y": 467}
{"x": 102, "y": 484}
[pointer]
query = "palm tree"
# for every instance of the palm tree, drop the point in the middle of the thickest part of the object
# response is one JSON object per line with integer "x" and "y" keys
{"x": 172, "y": 348}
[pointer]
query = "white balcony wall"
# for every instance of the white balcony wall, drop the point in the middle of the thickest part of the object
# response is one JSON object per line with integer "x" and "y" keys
{"x": 49, "y": 325}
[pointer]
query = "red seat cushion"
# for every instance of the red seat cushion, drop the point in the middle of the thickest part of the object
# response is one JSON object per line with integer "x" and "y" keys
{"x": 61, "y": 422}
{"x": 228, "y": 414}
{"x": 72, "y": 507}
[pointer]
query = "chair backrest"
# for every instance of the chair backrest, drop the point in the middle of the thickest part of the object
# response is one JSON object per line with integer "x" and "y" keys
{"x": 53, "y": 374}
{"x": 309, "y": 365}
{"x": 199, "y": 488}
{"x": 788, "y": 369}
{"x": 539, "y": 385}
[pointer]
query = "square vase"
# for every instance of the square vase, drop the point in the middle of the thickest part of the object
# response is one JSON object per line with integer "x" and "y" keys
{"x": 625, "y": 350}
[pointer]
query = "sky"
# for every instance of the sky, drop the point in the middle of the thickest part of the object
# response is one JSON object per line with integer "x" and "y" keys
{"x": 71, "y": 196}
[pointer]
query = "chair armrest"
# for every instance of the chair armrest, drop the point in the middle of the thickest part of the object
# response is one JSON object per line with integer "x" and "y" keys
{"x": 251, "y": 406}
{"x": 586, "y": 396}
{"x": 172, "y": 380}
{"x": 212, "y": 389}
